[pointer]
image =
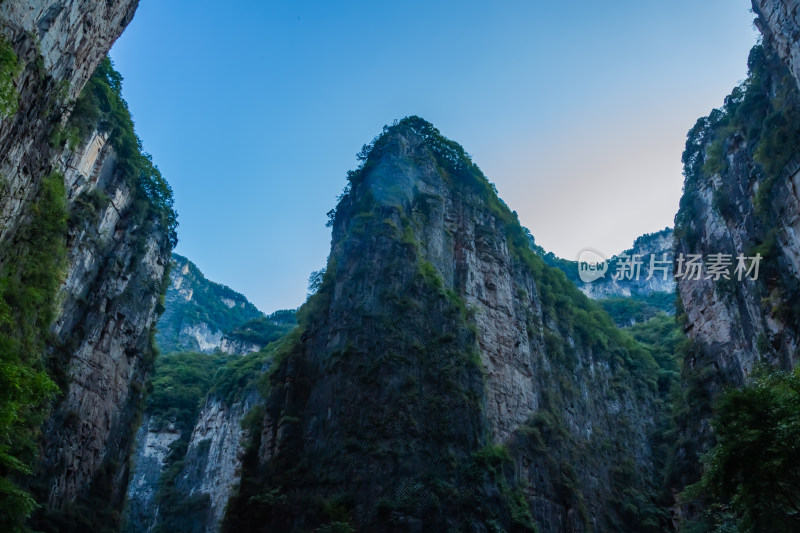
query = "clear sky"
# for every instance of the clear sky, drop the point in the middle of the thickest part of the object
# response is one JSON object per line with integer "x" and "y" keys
{"x": 576, "y": 110}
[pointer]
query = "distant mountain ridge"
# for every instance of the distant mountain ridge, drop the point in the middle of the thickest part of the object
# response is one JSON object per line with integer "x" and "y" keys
{"x": 203, "y": 316}
{"x": 628, "y": 301}
{"x": 656, "y": 244}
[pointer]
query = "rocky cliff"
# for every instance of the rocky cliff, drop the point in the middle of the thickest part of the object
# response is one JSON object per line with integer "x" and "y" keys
{"x": 444, "y": 376}
{"x": 742, "y": 169}
{"x": 779, "y": 22}
{"x": 188, "y": 455}
{"x": 57, "y": 46}
{"x": 636, "y": 285}
{"x": 205, "y": 477}
{"x": 186, "y": 460}
{"x": 76, "y": 186}
{"x": 201, "y": 315}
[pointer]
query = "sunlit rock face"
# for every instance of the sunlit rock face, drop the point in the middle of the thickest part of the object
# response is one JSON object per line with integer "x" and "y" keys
{"x": 200, "y": 314}
{"x": 59, "y": 44}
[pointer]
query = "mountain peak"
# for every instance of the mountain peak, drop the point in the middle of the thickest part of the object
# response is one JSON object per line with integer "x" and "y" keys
{"x": 455, "y": 345}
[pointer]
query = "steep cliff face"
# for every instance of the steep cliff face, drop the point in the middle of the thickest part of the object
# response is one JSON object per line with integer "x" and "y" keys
{"x": 207, "y": 475}
{"x": 199, "y": 314}
{"x": 779, "y": 22}
{"x": 621, "y": 282}
{"x": 69, "y": 137}
{"x": 212, "y": 466}
{"x": 742, "y": 168}
{"x": 444, "y": 376}
{"x": 186, "y": 461}
{"x": 188, "y": 455}
{"x": 58, "y": 46}
{"x": 150, "y": 454}
{"x": 103, "y": 338}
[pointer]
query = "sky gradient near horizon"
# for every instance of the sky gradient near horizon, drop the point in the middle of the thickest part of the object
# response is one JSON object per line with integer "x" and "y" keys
{"x": 577, "y": 111}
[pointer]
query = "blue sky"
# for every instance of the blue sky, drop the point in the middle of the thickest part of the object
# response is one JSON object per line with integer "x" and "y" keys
{"x": 576, "y": 110}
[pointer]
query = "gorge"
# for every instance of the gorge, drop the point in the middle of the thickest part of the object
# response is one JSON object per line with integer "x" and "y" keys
{"x": 446, "y": 373}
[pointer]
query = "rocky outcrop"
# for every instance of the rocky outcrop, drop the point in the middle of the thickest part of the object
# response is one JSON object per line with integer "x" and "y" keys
{"x": 779, "y": 22}
{"x": 120, "y": 233}
{"x": 212, "y": 466}
{"x": 189, "y": 486}
{"x": 629, "y": 274}
{"x": 624, "y": 281}
{"x": 205, "y": 471}
{"x": 238, "y": 346}
{"x": 59, "y": 44}
{"x": 742, "y": 168}
{"x": 152, "y": 448}
{"x": 199, "y": 314}
{"x": 444, "y": 376}
{"x": 103, "y": 332}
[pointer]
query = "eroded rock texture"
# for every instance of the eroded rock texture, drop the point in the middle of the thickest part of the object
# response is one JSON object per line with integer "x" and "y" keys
{"x": 742, "y": 168}
{"x": 444, "y": 376}
{"x": 117, "y": 252}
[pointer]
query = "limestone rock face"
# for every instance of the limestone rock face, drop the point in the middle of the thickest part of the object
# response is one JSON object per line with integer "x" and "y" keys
{"x": 742, "y": 208}
{"x": 779, "y": 22}
{"x": 150, "y": 455}
{"x": 101, "y": 349}
{"x": 437, "y": 341}
{"x": 59, "y": 45}
{"x": 106, "y": 316}
{"x": 200, "y": 314}
{"x": 742, "y": 167}
{"x": 214, "y": 458}
{"x": 659, "y": 247}
{"x": 238, "y": 346}
{"x": 209, "y": 475}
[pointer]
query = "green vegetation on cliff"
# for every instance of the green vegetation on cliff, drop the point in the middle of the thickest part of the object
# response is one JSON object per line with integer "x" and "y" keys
{"x": 266, "y": 329}
{"x": 384, "y": 428}
{"x": 34, "y": 364}
{"x": 740, "y": 158}
{"x": 178, "y": 391}
{"x": 182, "y": 384}
{"x": 626, "y": 311}
{"x": 9, "y": 68}
{"x": 101, "y": 107}
{"x": 179, "y": 385}
{"x": 34, "y": 268}
{"x": 192, "y": 301}
{"x": 751, "y": 474}
{"x": 763, "y": 114}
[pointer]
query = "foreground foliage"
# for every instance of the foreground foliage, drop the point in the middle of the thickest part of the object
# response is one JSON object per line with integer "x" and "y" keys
{"x": 752, "y": 474}
{"x": 28, "y": 288}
